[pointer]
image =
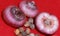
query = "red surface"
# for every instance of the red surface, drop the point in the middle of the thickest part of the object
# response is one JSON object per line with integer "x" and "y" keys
{"x": 51, "y": 6}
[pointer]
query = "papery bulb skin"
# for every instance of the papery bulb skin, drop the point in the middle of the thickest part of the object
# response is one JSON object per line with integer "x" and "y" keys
{"x": 14, "y": 16}
{"x": 29, "y": 8}
{"x": 47, "y": 23}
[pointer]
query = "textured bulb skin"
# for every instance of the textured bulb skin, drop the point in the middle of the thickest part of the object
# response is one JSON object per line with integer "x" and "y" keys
{"x": 47, "y": 27}
{"x": 9, "y": 18}
{"x": 29, "y": 8}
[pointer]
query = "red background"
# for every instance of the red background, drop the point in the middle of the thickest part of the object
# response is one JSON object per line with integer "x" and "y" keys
{"x": 51, "y": 6}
